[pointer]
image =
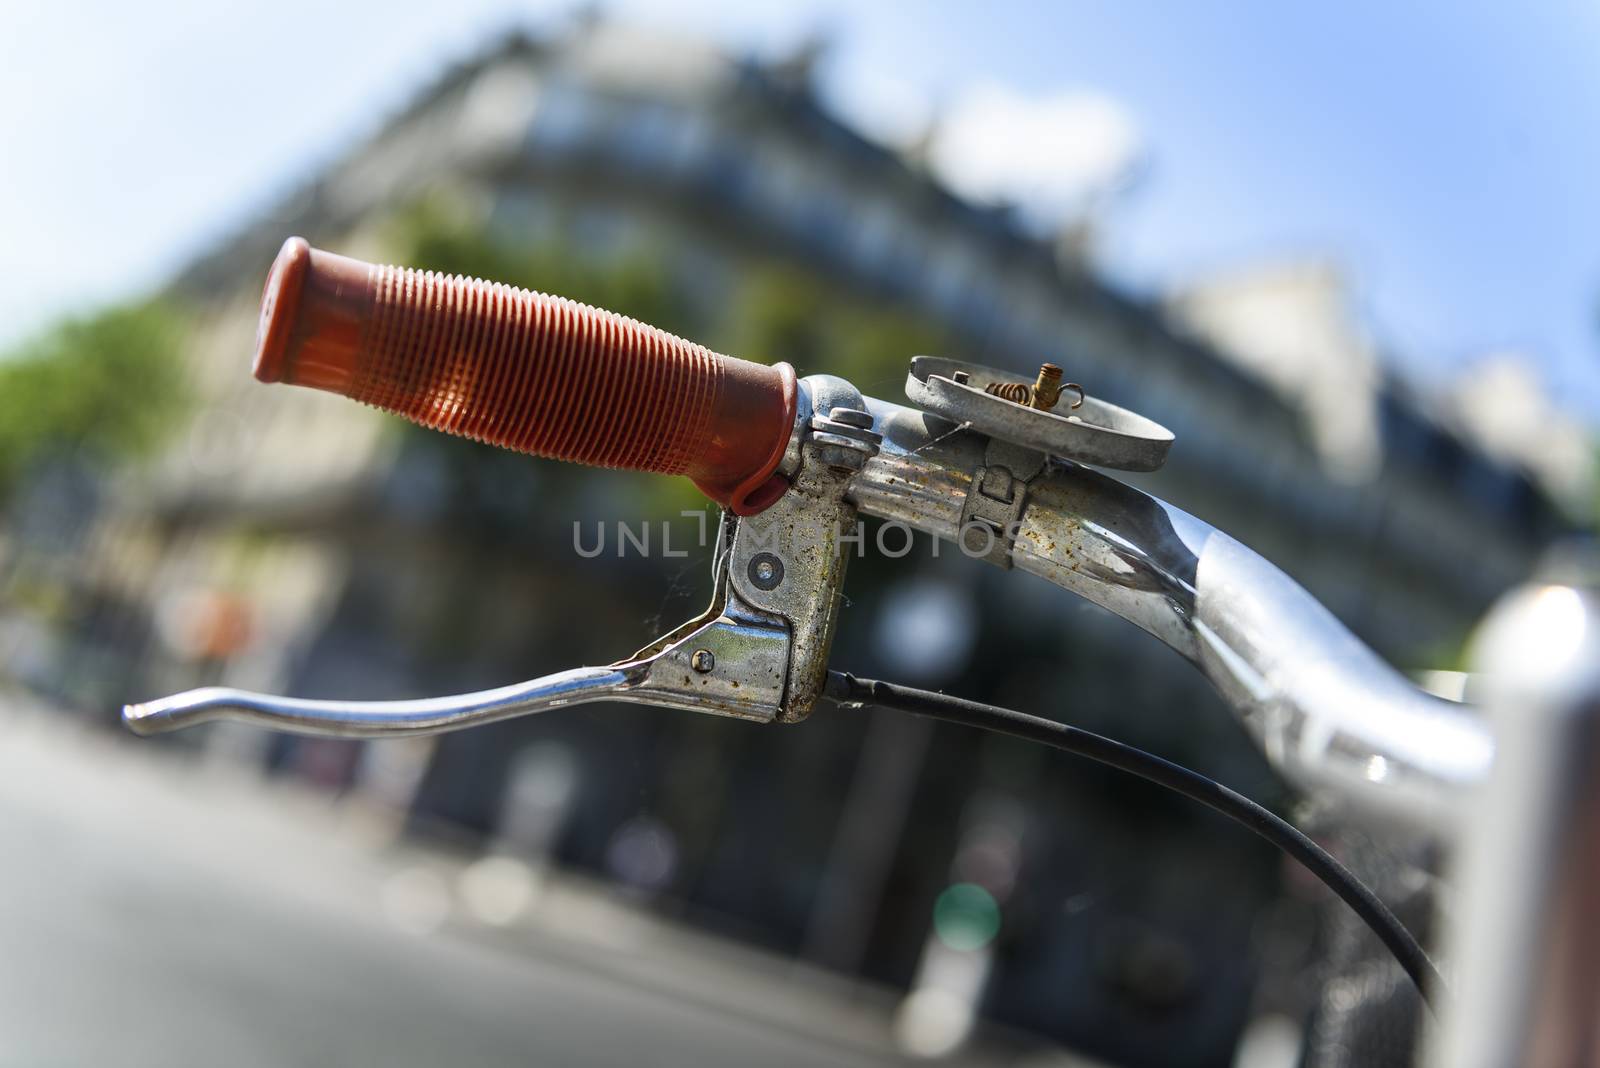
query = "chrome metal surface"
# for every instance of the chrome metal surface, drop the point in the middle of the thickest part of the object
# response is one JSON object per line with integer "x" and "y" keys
{"x": 843, "y": 439}
{"x": 1326, "y": 710}
{"x": 789, "y": 559}
{"x": 1093, "y": 431}
{"x": 1524, "y": 934}
{"x": 817, "y": 395}
{"x": 749, "y": 650}
{"x": 359, "y": 718}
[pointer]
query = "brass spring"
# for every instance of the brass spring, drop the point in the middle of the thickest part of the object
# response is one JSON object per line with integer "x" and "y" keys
{"x": 1042, "y": 395}
{"x": 1016, "y": 392}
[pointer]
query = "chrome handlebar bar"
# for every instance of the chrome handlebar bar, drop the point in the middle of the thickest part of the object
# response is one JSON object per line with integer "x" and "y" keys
{"x": 1326, "y": 710}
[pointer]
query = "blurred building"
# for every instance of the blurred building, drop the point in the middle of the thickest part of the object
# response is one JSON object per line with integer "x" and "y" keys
{"x": 297, "y": 542}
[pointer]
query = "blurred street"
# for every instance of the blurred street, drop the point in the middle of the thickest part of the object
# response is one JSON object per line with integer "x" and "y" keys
{"x": 160, "y": 912}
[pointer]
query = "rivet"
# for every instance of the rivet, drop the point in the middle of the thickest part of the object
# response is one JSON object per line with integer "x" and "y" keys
{"x": 766, "y": 571}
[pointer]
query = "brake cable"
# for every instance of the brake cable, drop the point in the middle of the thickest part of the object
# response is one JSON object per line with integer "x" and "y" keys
{"x": 846, "y": 689}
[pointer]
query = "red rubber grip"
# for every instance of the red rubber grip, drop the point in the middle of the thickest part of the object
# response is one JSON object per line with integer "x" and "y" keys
{"x": 535, "y": 373}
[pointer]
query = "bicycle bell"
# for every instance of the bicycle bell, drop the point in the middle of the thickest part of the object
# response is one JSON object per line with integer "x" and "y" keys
{"x": 1010, "y": 407}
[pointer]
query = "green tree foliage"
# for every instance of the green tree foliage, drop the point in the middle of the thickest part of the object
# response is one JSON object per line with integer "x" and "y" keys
{"x": 106, "y": 387}
{"x": 784, "y": 313}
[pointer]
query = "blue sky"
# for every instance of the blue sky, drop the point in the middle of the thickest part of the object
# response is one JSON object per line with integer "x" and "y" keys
{"x": 1445, "y": 154}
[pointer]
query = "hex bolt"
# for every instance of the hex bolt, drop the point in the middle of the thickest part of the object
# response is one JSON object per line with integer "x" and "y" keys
{"x": 766, "y": 571}
{"x": 703, "y": 661}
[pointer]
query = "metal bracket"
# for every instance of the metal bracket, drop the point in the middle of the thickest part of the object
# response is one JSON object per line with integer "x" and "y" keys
{"x": 994, "y": 504}
{"x": 789, "y": 560}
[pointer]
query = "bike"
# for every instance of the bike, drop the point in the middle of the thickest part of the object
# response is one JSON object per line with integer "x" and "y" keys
{"x": 1006, "y": 467}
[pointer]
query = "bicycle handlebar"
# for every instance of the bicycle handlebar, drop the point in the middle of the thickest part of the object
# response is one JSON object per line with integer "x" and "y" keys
{"x": 526, "y": 371}
{"x": 560, "y": 379}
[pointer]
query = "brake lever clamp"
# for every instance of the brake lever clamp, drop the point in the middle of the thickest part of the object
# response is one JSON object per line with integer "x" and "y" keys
{"x": 759, "y": 652}
{"x": 789, "y": 560}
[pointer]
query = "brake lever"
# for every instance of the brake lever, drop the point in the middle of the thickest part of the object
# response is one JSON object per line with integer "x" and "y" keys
{"x": 358, "y": 719}
{"x": 758, "y": 652}
{"x": 729, "y": 661}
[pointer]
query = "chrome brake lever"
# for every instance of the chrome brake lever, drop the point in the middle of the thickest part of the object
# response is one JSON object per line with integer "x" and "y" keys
{"x": 730, "y": 662}
{"x": 759, "y": 652}
{"x": 354, "y": 719}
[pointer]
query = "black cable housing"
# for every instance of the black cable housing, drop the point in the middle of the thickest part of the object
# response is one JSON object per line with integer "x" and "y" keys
{"x": 847, "y": 689}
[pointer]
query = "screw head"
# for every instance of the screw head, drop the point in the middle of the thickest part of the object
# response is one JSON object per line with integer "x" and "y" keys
{"x": 766, "y": 571}
{"x": 703, "y": 661}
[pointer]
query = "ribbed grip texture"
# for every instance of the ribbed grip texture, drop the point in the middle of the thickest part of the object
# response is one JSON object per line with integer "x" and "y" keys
{"x": 536, "y": 373}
